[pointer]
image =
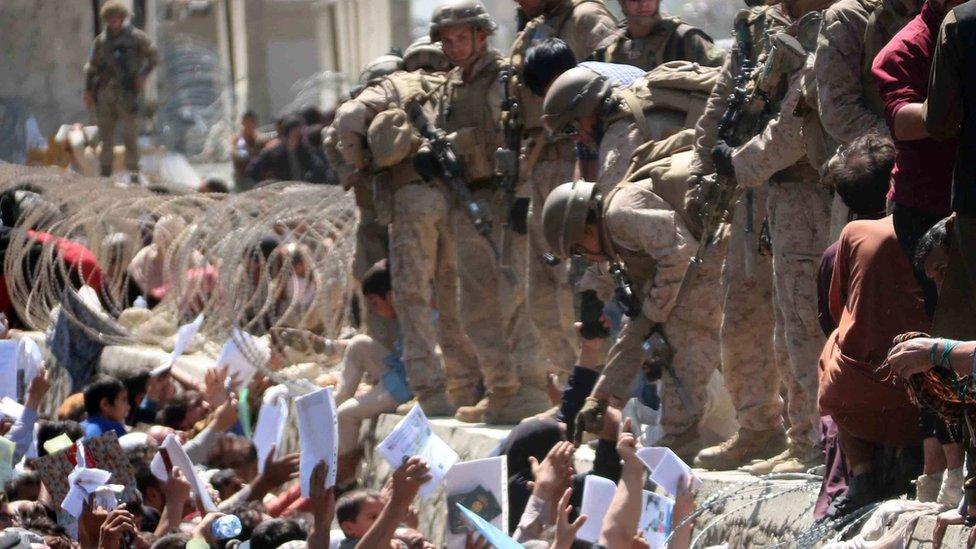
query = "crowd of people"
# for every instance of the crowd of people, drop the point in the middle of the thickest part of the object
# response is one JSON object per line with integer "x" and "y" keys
{"x": 591, "y": 227}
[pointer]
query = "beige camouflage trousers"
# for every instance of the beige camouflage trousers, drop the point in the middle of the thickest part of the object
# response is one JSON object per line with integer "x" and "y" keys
{"x": 550, "y": 296}
{"x": 423, "y": 268}
{"x": 750, "y": 368}
{"x": 493, "y": 311}
{"x": 113, "y": 107}
{"x": 691, "y": 330}
{"x": 799, "y": 221}
{"x": 371, "y": 246}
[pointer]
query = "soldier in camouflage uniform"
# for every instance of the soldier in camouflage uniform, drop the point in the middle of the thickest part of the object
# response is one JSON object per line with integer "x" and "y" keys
{"x": 616, "y": 120}
{"x": 121, "y": 58}
{"x": 788, "y": 153}
{"x": 373, "y": 130}
{"x": 634, "y": 226}
{"x": 493, "y": 308}
{"x": 748, "y": 362}
{"x": 584, "y": 25}
{"x": 852, "y": 34}
{"x": 647, "y": 39}
{"x": 372, "y": 241}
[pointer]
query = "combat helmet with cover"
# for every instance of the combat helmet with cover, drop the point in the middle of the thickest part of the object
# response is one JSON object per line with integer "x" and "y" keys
{"x": 575, "y": 93}
{"x": 379, "y": 67}
{"x": 113, "y": 7}
{"x": 463, "y": 12}
{"x": 422, "y": 54}
{"x": 564, "y": 215}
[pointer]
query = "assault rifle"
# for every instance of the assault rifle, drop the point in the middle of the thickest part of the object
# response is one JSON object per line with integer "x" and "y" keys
{"x": 719, "y": 192}
{"x": 450, "y": 170}
{"x": 507, "y": 161}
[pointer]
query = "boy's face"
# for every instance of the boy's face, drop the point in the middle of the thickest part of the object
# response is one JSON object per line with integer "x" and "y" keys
{"x": 117, "y": 409}
{"x": 368, "y": 512}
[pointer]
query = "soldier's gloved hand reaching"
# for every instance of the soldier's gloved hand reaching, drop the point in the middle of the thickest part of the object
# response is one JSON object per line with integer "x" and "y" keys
{"x": 590, "y": 418}
{"x": 518, "y": 215}
{"x": 722, "y": 158}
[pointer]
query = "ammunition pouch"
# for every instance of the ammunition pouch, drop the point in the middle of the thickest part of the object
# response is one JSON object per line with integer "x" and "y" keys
{"x": 382, "y": 191}
{"x": 472, "y": 146}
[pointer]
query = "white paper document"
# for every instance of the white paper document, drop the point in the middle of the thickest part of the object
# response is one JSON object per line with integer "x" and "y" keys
{"x": 179, "y": 459}
{"x": 11, "y": 408}
{"x": 413, "y": 437}
{"x": 597, "y": 495}
{"x": 490, "y": 474}
{"x": 184, "y": 336}
{"x": 244, "y": 354}
{"x": 655, "y": 521}
{"x": 666, "y": 468}
{"x": 598, "y": 492}
{"x": 318, "y": 432}
{"x": 8, "y": 368}
{"x": 29, "y": 359}
{"x": 269, "y": 429}
{"x": 81, "y": 482}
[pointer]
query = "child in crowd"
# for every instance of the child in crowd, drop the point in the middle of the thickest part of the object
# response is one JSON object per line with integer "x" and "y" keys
{"x": 356, "y": 512}
{"x": 107, "y": 405}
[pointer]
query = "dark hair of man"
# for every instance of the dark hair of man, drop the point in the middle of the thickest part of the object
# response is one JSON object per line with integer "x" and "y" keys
{"x": 290, "y": 123}
{"x": 48, "y": 429}
{"x": 861, "y": 174}
{"x": 376, "y": 281}
{"x": 935, "y": 237}
{"x": 273, "y": 533}
{"x": 544, "y": 62}
{"x": 100, "y": 388}
{"x": 249, "y": 115}
{"x": 215, "y": 185}
{"x": 348, "y": 506}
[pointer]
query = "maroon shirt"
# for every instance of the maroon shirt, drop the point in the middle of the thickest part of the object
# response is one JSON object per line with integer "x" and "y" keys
{"x": 922, "y": 177}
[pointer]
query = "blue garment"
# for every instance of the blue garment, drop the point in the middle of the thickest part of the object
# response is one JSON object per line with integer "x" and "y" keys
{"x": 395, "y": 378}
{"x": 98, "y": 425}
{"x": 620, "y": 75}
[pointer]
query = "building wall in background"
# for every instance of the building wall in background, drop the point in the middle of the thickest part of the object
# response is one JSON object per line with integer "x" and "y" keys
{"x": 45, "y": 44}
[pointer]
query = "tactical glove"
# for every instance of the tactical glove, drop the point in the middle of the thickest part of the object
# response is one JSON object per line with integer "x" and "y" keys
{"x": 591, "y": 316}
{"x": 518, "y": 216}
{"x": 590, "y": 418}
{"x": 722, "y": 158}
{"x": 426, "y": 165}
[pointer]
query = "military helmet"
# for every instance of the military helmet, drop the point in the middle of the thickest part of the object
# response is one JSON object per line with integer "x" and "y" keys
{"x": 424, "y": 55}
{"x": 564, "y": 215}
{"x": 381, "y": 66}
{"x": 114, "y": 7}
{"x": 575, "y": 93}
{"x": 390, "y": 137}
{"x": 463, "y": 12}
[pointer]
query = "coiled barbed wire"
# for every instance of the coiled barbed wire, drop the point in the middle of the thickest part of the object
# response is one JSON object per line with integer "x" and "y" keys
{"x": 274, "y": 257}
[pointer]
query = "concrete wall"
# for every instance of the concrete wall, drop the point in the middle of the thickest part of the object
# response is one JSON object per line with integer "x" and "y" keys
{"x": 45, "y": 44}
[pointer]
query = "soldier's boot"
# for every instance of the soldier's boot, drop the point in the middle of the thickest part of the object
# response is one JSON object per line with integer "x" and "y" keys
{"x": 528, "y": 401}
{"x": 801, "y": 459}
{"x": 686, "y": 444}
{"x": 464, "y": 396}
{"x": 951, "y": 490}
{"x": 765, "y": 466}
{"x": 436, "y": 404}
{"x": 501, "y": 406}
{"x": 927, "y": 487}
{"x": 744, "y": 446}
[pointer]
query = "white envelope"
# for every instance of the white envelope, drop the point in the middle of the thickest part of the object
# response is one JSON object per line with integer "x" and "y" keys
{"x": 318, "y": 432}
{"x": 666, "y": 468}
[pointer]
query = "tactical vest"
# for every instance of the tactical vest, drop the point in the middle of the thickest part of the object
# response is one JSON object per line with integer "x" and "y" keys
{"x": 666, "y": 165}
{"x": 964, "y": 176}
{"x": 666, "y": 42}
{"x": 117, "y": 59}
{"x": 640, "y": 266}
{"x": 535, "y": 31}
{"x": 465, "y": 112}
